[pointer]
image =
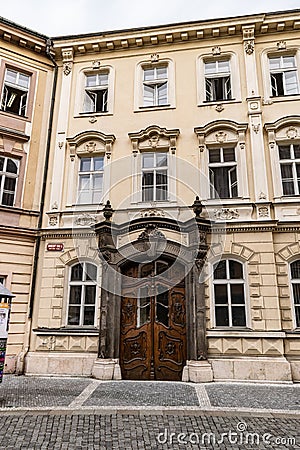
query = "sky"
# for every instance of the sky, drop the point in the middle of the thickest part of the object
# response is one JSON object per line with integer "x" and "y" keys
{"x": 63, "y": 17}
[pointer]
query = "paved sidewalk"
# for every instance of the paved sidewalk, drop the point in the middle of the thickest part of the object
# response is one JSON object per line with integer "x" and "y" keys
{"x": 66, "y": 393}
{"x": 39, "y": 413}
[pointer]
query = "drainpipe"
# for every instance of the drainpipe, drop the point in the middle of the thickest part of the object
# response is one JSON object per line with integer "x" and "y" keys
{"x": 21, "y": 357}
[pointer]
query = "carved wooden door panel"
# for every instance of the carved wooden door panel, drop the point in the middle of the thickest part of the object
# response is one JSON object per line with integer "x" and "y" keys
{"x": 153, "y": 330}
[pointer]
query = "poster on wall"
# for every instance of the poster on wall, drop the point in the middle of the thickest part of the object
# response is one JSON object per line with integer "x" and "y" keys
{"x": 4, "y": 321}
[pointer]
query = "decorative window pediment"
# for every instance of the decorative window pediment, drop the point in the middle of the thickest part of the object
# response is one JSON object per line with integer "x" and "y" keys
{"x": 154, "y": 138}
{"x": 91, "y": 143}
{"x": 283, "y": 130}
{"x": 221, "y": 132}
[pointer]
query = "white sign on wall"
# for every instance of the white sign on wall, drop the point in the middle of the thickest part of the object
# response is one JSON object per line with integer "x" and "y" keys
{"x": 4, "y": 319}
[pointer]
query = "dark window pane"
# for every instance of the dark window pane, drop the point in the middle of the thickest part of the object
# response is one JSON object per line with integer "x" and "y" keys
{"x": 91, "y": 272}
{"x": 214, "y": 155}
{"x": 148, "y": 179}
{"x": 235, "y": 270}
{"x": 277, "y": 84}
{"x": 7, "y": 199}
{"x": 75, "y": 294}
{"x": 237, "y": 293}
{"x": 10, "y": 184}
{"x": 161, "y": 193}
{"x": 12, "y": 166}
{"x": 161, "y": 159}
{"x": 297, "y": 312}
{"x": 297, "y": 151}
{"x": 89, "y": 315}
{"x": 238, "y": 316}
{"x": 296, "y": 293}
{"x": 220, "y": 181}
{"x": 295, "y": 269}
{"x": 76, "y": 273}
{"x": 1, "y": 164}
{"x": 148, "y": 194}
{"x": 74, "y": 315}
{"x": 90, "y": 294}
{"x": 222, "y": 317}
{"x": 284, "y": 152}
{"x": 220, "y": 270}
{"x": 161, "y": 177}
{"x": 143, "y": 309}
{"x": 229, "y": 154}
{"x": 221, "y": 293}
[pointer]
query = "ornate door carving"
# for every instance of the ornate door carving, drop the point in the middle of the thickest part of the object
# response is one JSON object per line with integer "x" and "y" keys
{"x": 153, "y": 326}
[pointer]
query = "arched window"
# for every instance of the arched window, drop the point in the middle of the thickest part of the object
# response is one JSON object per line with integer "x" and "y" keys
{"x": 82, "y": 294}
{"x": 229, "y": 294}
{"x": 295, "y": 280}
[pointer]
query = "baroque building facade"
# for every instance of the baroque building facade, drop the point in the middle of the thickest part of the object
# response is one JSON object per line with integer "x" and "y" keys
{"x": 169, "y": 242}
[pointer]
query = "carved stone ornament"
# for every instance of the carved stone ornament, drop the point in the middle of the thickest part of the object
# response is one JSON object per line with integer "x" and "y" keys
{"x": 152, "y": 213}
{"x": 60, "y": 144}
{"x": 256, "y": 127}
{"x": 262, "y": 196}
{"x": 151, "y": 231}
{"x": 86, "y": 220}
{"x": 221, "y": 136}
{"x": 281, "y": 45}
{"x": 154, "y": 140}
{"x": 219, "y": 108}
{"x": 216, "y": 50}
{"x": 292, "y": 133}
{"x": 226, "y": 214}
{"x": 67, "y": 68}
{"x": 90, "y": 147}
{"x": 92, "y": 119}
{"x": 154, "y": 57}
{"x": 96, "y": 64}
{"x": 263, "y": 211}
{"x": 53, "y": 220}
{"x": 249, "y": 47}
{"x": 54, "y": 206}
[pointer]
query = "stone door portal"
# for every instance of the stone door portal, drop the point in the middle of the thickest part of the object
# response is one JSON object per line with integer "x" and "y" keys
{"x": 153, "y": 323}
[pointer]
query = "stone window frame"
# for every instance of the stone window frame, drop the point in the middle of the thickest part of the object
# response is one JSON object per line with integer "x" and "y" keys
{"x": 217, "y": 55}
{"x": 153, "y": 139}
{"x": 291, "y": 282}
{"x": 284, "y": 131}
{"x": 96, "y": 68}
{"x": 223, "y": 133}
{"x": 154, "y": 62}
{"x": 6, "y": 64}
{"x": 243, "y": 262}
{"x": 65, "y": 314}
{"x": 280, "y": 50}
{"x": 87, "y": 144}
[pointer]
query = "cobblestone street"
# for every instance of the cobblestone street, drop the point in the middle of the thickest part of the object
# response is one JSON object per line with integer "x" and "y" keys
{"x": 74, "y": 413}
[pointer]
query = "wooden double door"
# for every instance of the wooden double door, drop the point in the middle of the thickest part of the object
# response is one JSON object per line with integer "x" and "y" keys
{"x": 153, "y": 323}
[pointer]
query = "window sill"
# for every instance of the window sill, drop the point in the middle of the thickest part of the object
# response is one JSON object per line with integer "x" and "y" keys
{"x": 219, "y": 102}
{"x": 92, "y": 114}
{"x": 16, "y": 116}
{"x": 86, "y": 331}
{"x": 244, "y": 332}
{"x": 286, "y": 199}
{"x": 154, "y": 108}
{"x": 283, "y": 98}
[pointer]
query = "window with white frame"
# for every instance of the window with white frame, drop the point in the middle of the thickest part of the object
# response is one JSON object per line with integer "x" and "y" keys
{"x": 295, "y": 280}
{"x": 15, "y": 91}
{"x": 283, "y": 74}
{"x": 90, "y": 183}
{"x": 223, "y": 173}
{"x": 96, "y": 92}
{"x": 154, "y": 176}
{"x": 289, "y": 158}
{"x": 82, "y": 294}
{"x": 217, "y": 80}
{"x": 155, "y": 85}
{"x": 9, "y": 171}
{"x": 229, "y": 294}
